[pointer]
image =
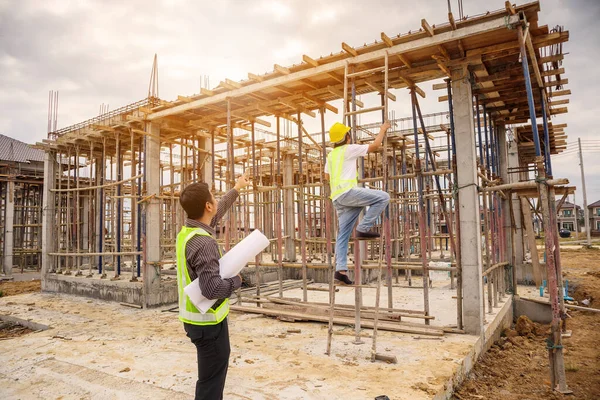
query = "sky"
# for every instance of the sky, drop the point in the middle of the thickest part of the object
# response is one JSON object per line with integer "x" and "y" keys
{"x": 101, "y": 51}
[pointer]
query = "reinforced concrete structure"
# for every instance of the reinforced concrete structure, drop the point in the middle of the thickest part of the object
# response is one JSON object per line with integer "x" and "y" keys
{"x": 459, "y": 181}
{"x": 21, "y": 184}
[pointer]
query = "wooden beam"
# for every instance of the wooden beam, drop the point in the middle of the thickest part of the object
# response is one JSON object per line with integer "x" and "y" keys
{"x": 559, "y": 102}
{"x": 282, "y": 70}
{"x": 185, "y": 99}
{"x": 553, "y": 72}
{"x": 556, "y": 83}
{"x": 560, "y": 93}
{"x": 451, "y": 20}
{"x": 427, "y": 27}
{"x": 493, "y": 25}
{"x": 509, "y": 7}
{"x": 380, "y": 89}
{"x": 548, "y": 59}
{"x": 444, "y": 52}
{"x": 387, "y": 40}
{"x": 533, "y": 57}
{"x": 348, "y": 49}
{"x": 310, "y": 61}
{"x": 254, "y": 77}
{"x": 207, "y": 92}
{"x": 320, "y": 103}
{"x": 439, "y": 86}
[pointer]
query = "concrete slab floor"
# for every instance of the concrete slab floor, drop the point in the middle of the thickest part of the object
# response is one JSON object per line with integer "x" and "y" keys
{"x": 102, "y": 350}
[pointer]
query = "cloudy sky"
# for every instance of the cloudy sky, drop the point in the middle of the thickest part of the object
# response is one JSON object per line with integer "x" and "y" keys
{"x": 100, "y": 52}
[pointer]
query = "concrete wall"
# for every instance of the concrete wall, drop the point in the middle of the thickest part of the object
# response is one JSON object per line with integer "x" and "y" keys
{"x": 120, "y": 291}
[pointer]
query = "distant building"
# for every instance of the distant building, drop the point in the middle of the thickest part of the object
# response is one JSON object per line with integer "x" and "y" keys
{"x": 594, "y": 215}
{"x": 568, "y": 216}
{"x": 21, "y": 184}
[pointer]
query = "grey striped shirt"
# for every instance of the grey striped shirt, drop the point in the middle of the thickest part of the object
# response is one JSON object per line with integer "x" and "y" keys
{"x": 202, "y": 255}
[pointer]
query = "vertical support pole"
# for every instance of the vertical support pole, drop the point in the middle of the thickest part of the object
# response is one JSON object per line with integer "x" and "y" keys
{"x": 301, "y": 210}
{"x": 278, "y": 201}
{"x": 48, "y": 215}
{"x": 289, "y": 209}
{"x": 255, "y": 201}
{"x": 547, "y": 160}
{"x": 468, "y": 215}
{"x": 421, "y": 208}
{"x": 119, "y": 215}
{"x": 229, "y": 177}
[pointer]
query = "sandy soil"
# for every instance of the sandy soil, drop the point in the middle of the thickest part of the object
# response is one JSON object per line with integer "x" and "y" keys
{"x": 9, "y": 288}
{"x": 517, "y": 366}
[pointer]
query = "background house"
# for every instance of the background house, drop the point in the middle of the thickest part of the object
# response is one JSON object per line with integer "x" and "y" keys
{"x": 567, "y": 216}
{"x": 594, "y": 215}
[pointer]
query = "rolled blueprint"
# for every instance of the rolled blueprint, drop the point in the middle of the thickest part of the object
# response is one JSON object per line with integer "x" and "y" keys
{"x": 229, "y": 265}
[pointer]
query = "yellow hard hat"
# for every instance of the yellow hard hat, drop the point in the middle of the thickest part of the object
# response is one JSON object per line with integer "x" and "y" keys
{"x": 337, "y": 132}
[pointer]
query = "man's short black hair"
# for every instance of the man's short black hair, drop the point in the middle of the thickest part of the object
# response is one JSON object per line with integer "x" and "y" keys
{"x": 193, "y": 199}
{"x": 343, "y": 142}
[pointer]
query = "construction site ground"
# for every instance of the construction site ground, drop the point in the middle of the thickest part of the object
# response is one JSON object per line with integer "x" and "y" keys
{"x": 102, "y": 350}
{"x": 517, "y": 366}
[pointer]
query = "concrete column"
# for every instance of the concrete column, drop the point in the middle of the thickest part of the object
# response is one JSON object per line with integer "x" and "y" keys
{"x": 48, "y": 215}
{"x": 470, "y": 219}
{"x": 152, "y": 227}
{"x": 289, "y": 209}
{"x": 9, "y": 218}
{"x": 513, "y": 162}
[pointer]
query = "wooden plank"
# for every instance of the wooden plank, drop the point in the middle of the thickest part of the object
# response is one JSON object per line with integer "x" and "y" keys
{"x": 560, "y": 93}
{"x": 509, "y": 7}
{"x": 559, "y": 102}
{"x": 493, "y": 25}
{"x": 561, "y": 82}
{"x": 535, "y": 257}
{"x": 207, "y": 92}
{"x": 282, "y": 70}
{"x": 425, "y": 25}
{"x": 254, "y": 77}
{"x": 392, "y": 327}
{"x": 310, "y": 61}
{"x": 452, "y": 21}
{"x": 439, "y": 86}
{"x": 548, "y": 59}
{"x": 553, "y": 72}
{"x": 348, "y": 49}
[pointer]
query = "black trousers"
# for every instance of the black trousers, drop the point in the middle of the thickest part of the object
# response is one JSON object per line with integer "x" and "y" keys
{"x": 212, "y": 346}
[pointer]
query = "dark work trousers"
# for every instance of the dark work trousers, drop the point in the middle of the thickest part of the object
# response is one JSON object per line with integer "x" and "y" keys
{"x": 212, "y": 345}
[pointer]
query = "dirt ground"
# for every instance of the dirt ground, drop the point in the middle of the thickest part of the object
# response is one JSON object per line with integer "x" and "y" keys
{"x": 8, "y": 288}
{"x": 10, "y": 330}
{"x": 516, "y": 367}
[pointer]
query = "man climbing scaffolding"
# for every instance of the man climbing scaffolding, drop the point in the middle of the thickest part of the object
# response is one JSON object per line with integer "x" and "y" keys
{"x": 348, "y": 198}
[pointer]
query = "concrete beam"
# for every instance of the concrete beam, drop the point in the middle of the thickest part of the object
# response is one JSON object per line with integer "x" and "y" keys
{"x": 470, "y": 219}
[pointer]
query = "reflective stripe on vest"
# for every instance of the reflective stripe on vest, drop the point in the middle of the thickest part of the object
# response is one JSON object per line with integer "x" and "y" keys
{"x": 188, "y": 312}
{"x": 336, "y": 163}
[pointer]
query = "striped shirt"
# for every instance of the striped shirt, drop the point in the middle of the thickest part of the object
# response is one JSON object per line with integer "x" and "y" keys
{"x": 202, "y": 255}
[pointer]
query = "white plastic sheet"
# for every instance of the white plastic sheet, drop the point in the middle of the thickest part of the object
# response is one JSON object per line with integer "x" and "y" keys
{"x": 230, "y": 265}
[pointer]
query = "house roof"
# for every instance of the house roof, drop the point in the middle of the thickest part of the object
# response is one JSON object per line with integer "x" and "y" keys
{"x": 566, "y": 204}
{"x": 17, "y": 151}
{"x": 594, "y": 204}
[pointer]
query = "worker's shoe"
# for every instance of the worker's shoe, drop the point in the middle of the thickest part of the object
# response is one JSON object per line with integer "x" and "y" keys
{"x": 342, "y": 278}
{"x": 367, "y": 235}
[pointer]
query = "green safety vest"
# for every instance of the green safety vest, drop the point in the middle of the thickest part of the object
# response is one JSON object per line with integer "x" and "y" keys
{"x": 336, "y": 161}
{"x": 188, "y": 312}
